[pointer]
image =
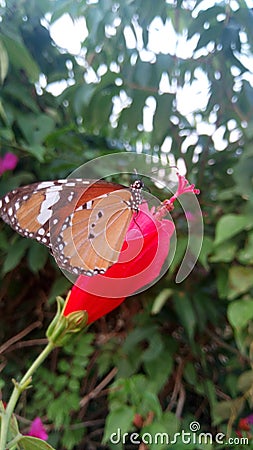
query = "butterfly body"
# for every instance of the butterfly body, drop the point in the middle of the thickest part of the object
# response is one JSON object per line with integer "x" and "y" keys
{"x": 83, "y": 222}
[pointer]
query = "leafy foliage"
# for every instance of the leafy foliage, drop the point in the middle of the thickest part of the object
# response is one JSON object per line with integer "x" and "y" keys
{"x": 176, "y": 353}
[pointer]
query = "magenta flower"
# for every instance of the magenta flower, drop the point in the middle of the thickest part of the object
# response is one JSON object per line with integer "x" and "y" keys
{"x": 183, "y": 188}
{"x": 8, "y": 162}
{"x": 37, "y": 429}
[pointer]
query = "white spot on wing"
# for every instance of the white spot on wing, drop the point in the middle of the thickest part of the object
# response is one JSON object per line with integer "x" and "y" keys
{"x": 44, "y": 216}
{"x": 55, "y": 188}
{"x": 45, "y": 213}
{"x": 70, "y": 197}
{"x": 45, "y": 184}
{"x": 89, "y": 204}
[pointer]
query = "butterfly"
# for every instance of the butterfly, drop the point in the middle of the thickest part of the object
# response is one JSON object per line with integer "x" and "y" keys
{"x": 83, "y": 222}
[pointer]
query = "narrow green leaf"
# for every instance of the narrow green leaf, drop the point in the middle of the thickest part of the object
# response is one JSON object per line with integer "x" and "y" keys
{"x": 4, "y": 62}
{"x": 206, "y": 249}
{"x": 160, "y": 300}
{"x": 186, "y": 314}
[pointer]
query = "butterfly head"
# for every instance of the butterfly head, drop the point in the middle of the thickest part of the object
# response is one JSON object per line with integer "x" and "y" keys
{"x": 138, "y": 185}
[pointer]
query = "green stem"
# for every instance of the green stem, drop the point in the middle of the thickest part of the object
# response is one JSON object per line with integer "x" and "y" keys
{"x": 18, "y": 389}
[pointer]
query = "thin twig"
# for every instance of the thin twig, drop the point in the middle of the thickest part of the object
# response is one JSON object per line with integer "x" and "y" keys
{"x": 30, "y": 343}
{"x": 99, "y": 387}
{"x": 19, "y": 336}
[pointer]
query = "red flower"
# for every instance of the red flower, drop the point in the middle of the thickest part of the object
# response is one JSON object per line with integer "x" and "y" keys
{"x": 141, "y": 259}
{"x": 8, "y": 162}
{"x": 37, "y": 429}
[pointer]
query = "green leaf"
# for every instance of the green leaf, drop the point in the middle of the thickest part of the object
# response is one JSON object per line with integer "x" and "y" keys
{"x": 245, "y": 256}
{"x": 225, "y": 252}
{"x": 190, "y": 374}
{"x": 132, "y": 115}
{"x": 160, "y": 300}
{"x": 32, "y": 443}
{"x": 186, "y": 313}
{"x": 245, "y": 381}
{"x": 180, "y": 251}
{"x": 118, "y": 422}
{"x": 206, "y": 249}
{"x": 4, "y": 245}
{"x": 222, "y": 281}
{"x": 230, "y": 225}
{"x": 20, "y": 57}
{"x": 15, "y": 254}
{"x": 155, "y": 348}
{"x": 36, "y": 150}
{"x": 160, "y": 368}
{"x": 240, "y": 281}
{"x": 224, "y": 410}
{"x": 161, "y": 118}
{"x": 4, "y": 62}
{"x": 37, "y": 257}
{"x": 20, "y": 94}
{"x": 73, "y": 437}
{"x": 36, "y": 127}
{"x": 240, "y": 312}
{"x": 59, "y": 287}
{"x": 159, "y": 433}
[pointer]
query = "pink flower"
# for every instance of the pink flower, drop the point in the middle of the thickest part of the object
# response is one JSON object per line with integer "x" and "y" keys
{"x": 37, "y": 429}
{"x": 8, "y": 162}
{"x": 183, "y": 188}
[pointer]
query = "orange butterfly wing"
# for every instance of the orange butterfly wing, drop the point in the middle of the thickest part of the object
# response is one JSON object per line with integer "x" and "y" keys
{"x": 84, "y": 222}
{"x": 91, "y": 239}
{"x": 29, "y": 209}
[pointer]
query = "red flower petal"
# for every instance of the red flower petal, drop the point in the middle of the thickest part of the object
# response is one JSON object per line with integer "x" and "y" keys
{"x": 142, "y": 257}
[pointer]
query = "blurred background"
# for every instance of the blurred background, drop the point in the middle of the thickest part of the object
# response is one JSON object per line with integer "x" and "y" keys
{"x": 171, "y": 79}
